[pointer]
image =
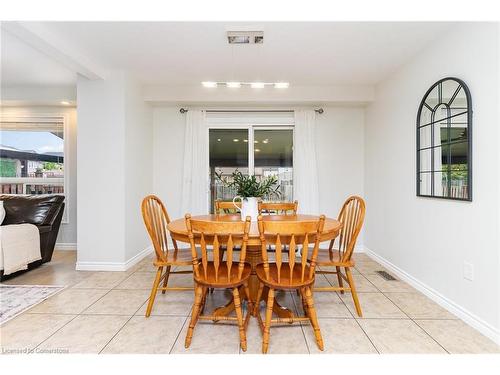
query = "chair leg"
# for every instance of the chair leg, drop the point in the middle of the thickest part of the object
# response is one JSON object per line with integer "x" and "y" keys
{"x": 257, "y": 301}
{"x": 203, "y": 300}
{"x": 250, "y": 303}
{"x": 353, "y": 291}
{"x": 239, "y": 317}
{"x": 154, "y": 290}
{"x": 313, "y": 318}
{"x": 339, "y": 278}
{"x": 303, "y": 298}
{"x": 267, "y": 325}
{"x": 194, "y": 315}
{"x": 165, "y": 280}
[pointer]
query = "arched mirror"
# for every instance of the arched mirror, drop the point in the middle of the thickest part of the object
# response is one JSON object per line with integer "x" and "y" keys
{"x": 444, "y": 141}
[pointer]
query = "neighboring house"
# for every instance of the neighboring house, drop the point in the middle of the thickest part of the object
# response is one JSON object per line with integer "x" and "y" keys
{"x": 29, "y": 164}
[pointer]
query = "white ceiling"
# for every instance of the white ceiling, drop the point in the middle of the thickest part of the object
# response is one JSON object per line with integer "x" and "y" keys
{"x": 22, "y": 65}
{"x": 176, "y": 53}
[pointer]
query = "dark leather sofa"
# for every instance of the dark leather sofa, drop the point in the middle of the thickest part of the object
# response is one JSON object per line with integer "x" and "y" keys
{"x": 43, "y": 211}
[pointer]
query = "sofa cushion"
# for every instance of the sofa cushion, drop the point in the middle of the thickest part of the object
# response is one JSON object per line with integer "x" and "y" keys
{"x": 32, "y": 209}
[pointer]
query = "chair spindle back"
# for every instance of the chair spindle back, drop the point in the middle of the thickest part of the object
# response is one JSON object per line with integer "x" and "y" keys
{"x": 351, "y": 216}
{"x": 156, "y": 218}
{"x": 218, "y": 237}
{"x": 295, "y": 236}
{"x": 278, "y": 208}
{"x": 222, "y": 207}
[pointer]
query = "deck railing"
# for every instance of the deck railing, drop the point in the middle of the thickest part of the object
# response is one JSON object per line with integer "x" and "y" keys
{"x": 31, "y": 185}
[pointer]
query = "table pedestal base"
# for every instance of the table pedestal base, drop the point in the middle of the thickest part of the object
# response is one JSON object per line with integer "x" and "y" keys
{"x": 254, "y": 257}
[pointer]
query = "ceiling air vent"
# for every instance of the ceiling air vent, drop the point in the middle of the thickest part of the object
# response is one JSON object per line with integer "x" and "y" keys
{"x": 245, "y": 37}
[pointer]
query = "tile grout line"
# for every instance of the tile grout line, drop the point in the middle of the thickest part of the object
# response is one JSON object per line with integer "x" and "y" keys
{"x": 356, "y": 320}
{"x": 119, "y": 330}
{"x": 178, "y": 334}
{"x": 76, "y": 316}
{"x": 408, "y": 316}
{"x": 300, "y": 323}
{"x": 427, "y": 333}
{"x": 294, "y": 301}
{"x": 133, "y": 315}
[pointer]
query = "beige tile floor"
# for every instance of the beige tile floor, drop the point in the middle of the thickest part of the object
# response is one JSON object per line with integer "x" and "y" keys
{"x": 103, "y": 312}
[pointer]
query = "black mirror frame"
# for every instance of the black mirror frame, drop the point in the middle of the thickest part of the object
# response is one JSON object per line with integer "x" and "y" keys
{"x": 469, "y": 139}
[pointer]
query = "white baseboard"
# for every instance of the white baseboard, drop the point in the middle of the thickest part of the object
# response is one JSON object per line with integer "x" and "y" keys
{"x": 468, "y": 317}
{"x": 114, "y": 266}
{"x": 65, "y": 246}
{"x": 137, "y": 258}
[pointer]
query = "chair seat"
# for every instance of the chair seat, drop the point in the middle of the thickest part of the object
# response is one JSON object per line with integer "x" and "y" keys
{"x": 331, "y": 258}
{"x": 285, "y": 281}
{"x": 181, "y": 257}
{"x": 223, "y": 281}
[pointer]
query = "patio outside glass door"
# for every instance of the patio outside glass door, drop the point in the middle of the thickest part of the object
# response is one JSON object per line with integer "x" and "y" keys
{"x": 257, "y": 150}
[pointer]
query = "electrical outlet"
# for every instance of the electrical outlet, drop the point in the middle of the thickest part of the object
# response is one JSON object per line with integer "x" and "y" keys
{"x": 468, "y": 271}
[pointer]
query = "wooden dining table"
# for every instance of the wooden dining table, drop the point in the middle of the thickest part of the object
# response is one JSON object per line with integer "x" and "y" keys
{"x": 179, "y": 232}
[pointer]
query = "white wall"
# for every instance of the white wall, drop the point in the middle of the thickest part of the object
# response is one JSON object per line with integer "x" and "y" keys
{"x": 431, "y": 238}
{"x": 101, "y": 177}
{"x": 168, "y": 154}
{"x": 67, "y": 231}
{"x": 339, "y": 150}
{"x": 138, "y": 167}
{"x": 114, "y": 143}
{"x": 340, "y": 156}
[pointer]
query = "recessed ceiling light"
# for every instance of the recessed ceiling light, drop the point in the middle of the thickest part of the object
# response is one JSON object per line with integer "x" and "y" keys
{"x": 233, "y": 85}
{"x": 218, "y": 139}
{"x": 255, "y": 141}
{"x": 257, "y": 85}
{"x": 245, "y": 140}
{"x": 64, "y": 102}
{"x": 236, "y": 140}
{"x": 265, "y": 140}
{"x": 209, "y": 84}
{"x": 257, "y": 150}
{"x": 281, "y": 85}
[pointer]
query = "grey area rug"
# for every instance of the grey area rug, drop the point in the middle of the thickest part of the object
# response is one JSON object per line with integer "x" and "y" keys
{"x": 14, "y": 299}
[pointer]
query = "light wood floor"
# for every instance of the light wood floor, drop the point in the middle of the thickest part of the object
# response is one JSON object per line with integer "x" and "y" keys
{"x": 103, "y": 312}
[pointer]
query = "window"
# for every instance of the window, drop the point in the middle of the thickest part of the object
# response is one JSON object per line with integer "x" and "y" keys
{"x": 32, "y": 154}
{"x": 259, "y": 150}
{"x": 444, "y": 129}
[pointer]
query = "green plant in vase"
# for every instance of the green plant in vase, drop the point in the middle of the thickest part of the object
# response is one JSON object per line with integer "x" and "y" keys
{"x": 249, "y": 189}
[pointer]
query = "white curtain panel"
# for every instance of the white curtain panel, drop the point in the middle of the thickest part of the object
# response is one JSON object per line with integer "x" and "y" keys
{"x": 305, "y": 170}
{"x": 195, "y": 183}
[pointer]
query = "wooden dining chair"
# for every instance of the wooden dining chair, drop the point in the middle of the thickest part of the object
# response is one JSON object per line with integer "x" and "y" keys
{"x": 211, "y": 272}
{"x": 351, "y": 216}
{"x": 295, "y": 273}
{"x": 224, "y": 207}
{"x": 156, "y": 218}
{"x": 278, "y": 208}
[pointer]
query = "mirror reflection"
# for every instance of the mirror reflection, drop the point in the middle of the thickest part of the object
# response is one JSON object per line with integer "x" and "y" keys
{"x": 443, "y": 141}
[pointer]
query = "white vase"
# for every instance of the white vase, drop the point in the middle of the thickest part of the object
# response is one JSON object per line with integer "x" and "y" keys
{"x": 249, "y": 207}
{"x": 2, "y": 212}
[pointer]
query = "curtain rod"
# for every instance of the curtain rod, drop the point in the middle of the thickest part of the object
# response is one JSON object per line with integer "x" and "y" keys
{"x": 319, "y": 110}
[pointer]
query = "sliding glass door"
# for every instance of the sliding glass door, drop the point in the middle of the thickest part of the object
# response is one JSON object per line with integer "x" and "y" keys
{"x": 256, "y": 150}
